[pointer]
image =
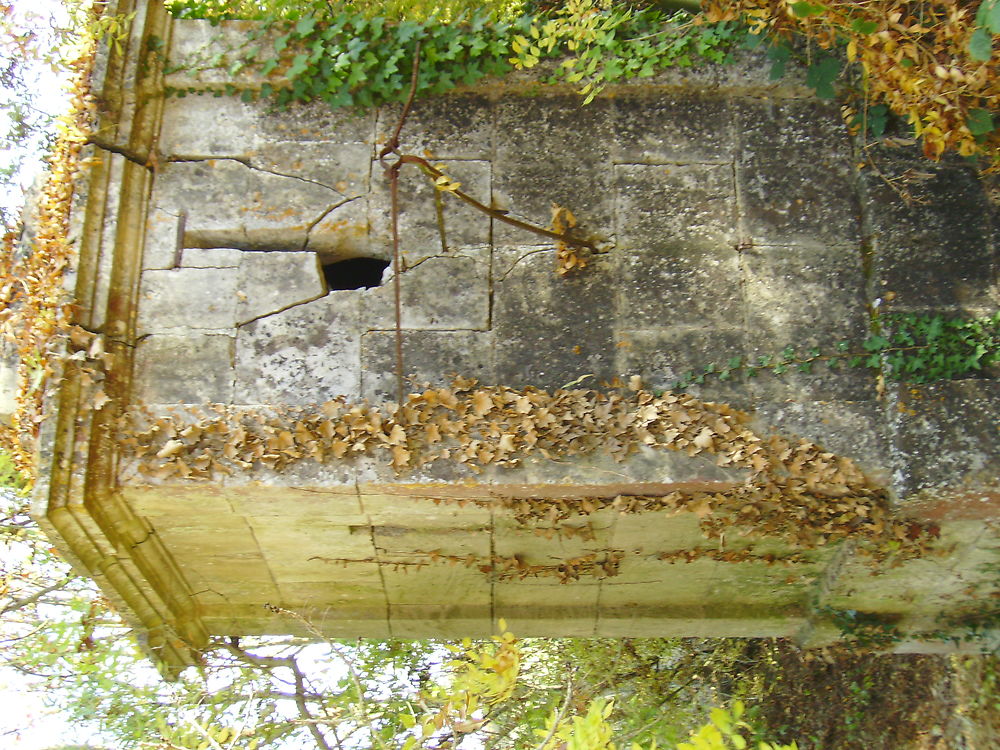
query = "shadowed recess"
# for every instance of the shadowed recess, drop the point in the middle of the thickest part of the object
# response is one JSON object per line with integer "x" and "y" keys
{"x": 354, "y": 273}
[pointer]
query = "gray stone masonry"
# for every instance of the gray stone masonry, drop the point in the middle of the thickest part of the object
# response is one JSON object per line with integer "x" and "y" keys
{"x": 732, "y": 221}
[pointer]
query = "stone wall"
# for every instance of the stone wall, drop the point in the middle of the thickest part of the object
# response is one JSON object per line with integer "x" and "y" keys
{"x": 732, "y": 220}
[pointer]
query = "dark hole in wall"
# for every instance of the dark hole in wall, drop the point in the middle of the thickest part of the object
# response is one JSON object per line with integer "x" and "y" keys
{"x": 354, "y": 273}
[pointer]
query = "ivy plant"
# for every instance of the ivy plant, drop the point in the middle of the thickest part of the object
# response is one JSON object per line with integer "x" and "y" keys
{"x": 352, "y": 58}
{"x": 906, "y": 347}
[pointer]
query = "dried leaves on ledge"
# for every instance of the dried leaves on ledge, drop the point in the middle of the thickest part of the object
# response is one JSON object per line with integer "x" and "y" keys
{"x": 796, "y": 492}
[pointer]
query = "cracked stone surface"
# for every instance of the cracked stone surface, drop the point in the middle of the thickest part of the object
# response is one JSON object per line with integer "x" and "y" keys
{"x": 418, "y": 225}
{"x": 305, "y": 354}
{"x": 230, "y": 204}
{"x": 441, "y": 292}
{"x": 268, "y": 283}
{"x": 734, "y": 223}
{"x": 795, "y": 175}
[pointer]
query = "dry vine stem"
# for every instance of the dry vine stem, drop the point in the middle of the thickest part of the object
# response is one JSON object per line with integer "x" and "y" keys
{"x": 391, "y": 147}
{"x": 392, "y": 174}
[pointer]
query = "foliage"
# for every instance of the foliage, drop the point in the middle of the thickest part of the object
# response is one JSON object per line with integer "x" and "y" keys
{"x": 930, "y": 61}
{"x": 653, "y": 683}
{"x": 866, "y": 630}
{"x": 350, "y": 58}
{"x": 293, "y": 10}
{"x": 30, "y": 38}
{"x": 909, "y": 348}
{"x": 377, "y": 695}
{"x": 34, "y": 304}
{"x": 598, "y": 42}
{"x": 725, "y": 731}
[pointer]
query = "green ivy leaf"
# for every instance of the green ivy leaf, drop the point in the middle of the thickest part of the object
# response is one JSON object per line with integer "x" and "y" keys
{"x": 980, "y": 121}
{"x": 821, "y": 76}
{"x": 779, "y": 55}
{"x": 305, "y": 25}
{"x": 981, "y": 45}
{"x": 299, "y": 65}
{"x": 862, "y": 26}
{"x": 805, "y": 10}
{"x": 993, "y": 16}
{"x": 878, "y": 118}
{"x": 988, "y": 15}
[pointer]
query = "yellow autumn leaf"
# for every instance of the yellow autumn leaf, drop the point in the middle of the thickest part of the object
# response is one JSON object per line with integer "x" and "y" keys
{"x": 482, "y": 403}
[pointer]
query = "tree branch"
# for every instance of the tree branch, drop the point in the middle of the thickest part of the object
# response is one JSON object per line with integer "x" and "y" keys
{"x": 300, "y": 697}
{"x": 16, "y": 604}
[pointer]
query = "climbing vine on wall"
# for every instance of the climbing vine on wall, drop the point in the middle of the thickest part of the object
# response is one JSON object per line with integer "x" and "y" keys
{"x": 908, "y": 348}
{"x": 930, "y": 61}
{"x": 35, "y": 308}
{"x": 352, "y": 59}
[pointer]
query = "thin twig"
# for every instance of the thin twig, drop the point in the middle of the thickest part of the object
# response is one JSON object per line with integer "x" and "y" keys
{"x": 29, "y": 600}
{"x": 560, "y": 715}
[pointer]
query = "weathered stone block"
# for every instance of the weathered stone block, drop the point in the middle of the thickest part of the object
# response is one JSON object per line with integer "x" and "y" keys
{"x": 310, "y": 549}
{"x": 680, "y": 285}
{"x": 428, "y": 356}
{"x": 271, "y": 282}
{"x": 423, "y": 512}
{"x": 513, "y": 540}
{"x": 352, "y": 587}
{"x": 543, "y": 157}
{"x": 544, "y": 596}
{"x": 177, "y": 369}
{"x": 804, "y": 296}
{"x": 457, "y": 126}
{"x": 418, "y": 581}
{"x": 441, "y": 293}
{"x": 853, "y": 429}
{"x": 548, "y": 127}
{"x": 211, "y": 257}
{"x": 419, "y": 231}
{"x": 678, "y": 129}
{"x": 344, "y": 168}
{"x": 315, "y": 121}
{"x": 191, "y": 505}
{"x": 228, "y": 204}
{"x": 164, "y": 239}
{"x": 688, "y": 583}
{"x": 794, "y": 172}
{"x": 643, "y": 535}
{"x": 552, "y": 330}
{"x": 187, "y": 299}
{"x": 659, "y": 207}
{"x": 269, "y": 499}
{"x": 820, "y": 383}
{"x": 935, "y": 251}
{"x": 207, "y": 125}
{"x": 281, "y": 211}
{"x": 945, "y": 440}
{"x": 305, "y": 354}
{"x": 664, "y": 356}
{"x": 343, "y": 232}
{"x": 451, "y": 620}
{"x": 195, "y": 43}
{"x": 531, "y": 624}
